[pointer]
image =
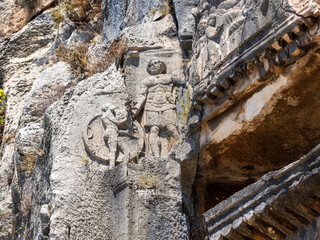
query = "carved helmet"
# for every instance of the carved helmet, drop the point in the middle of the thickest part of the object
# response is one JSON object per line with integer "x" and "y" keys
{"x": 155, "y": 67}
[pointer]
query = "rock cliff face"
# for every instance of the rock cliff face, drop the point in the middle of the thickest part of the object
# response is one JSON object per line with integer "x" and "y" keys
{"x": 160, "y": 119}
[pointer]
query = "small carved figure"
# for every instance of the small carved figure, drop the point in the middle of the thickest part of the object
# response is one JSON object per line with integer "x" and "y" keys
{"x": 213, "y": 31}
{"x": 112, "y": 137}
{"x": 157, "y": 99}
{"x": 111, "y": 120}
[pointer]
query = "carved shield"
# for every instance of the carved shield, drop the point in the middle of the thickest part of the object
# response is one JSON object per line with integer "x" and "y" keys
{"x": 93, "y": 139}
{"x": 96, "y": 146}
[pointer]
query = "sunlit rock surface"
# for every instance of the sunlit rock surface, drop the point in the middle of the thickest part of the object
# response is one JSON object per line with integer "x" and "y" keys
{"x": 160, "y": 119}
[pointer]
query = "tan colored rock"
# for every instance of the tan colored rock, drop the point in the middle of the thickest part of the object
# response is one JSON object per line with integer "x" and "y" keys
{"x": 12, "y": 17}
{"x": 16, "y": 14}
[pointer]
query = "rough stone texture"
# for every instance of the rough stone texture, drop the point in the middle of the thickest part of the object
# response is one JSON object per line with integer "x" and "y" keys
{"x": 119, "y": 14}
{"x": 263, "y": 114}
{"x": 186, "y": 21}
{"x": 147, "y": 41}
{"x": 309, "y": 232}
{"x": 246, "y": 104}
{"x": 47, "y": 88}
{"x": 248, "y": 99}
{"x": 156, "y": 213}
{"x": 78, "y": 185}
{"x": 30, "y": 45}
{"x": 75, "y": 185}
{"x": 23, "y": 56}
{"x": 16, "y": 14}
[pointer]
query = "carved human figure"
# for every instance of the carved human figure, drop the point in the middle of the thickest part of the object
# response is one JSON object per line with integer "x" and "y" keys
{"x": 112, "y": 119}
{"x": 223, "y": 30}
{"x": 213, "y": 32}
{"x": 157, "y": 100}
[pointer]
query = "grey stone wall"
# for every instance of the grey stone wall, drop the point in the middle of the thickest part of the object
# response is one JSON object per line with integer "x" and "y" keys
{"x": 95, "y": 172}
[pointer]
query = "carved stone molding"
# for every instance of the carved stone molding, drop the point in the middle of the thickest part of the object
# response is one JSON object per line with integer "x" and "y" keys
{"x": 287, "y": 197}
{"x": 255, "y": 61}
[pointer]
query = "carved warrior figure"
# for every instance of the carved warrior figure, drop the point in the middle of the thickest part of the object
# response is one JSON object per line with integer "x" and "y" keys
{"x": 112, "y": 137}
{"x": 157, "y": 100}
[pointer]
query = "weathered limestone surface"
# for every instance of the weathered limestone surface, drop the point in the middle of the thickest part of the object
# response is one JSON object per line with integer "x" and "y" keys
{"x": 157, "y": 39}
{"x": 75, "y": 186}
{"x": 117, "y": 15}
{"x": 23, "y": 56}
{"x": 250, "y": 96}
{"x": 125, "y": 200}
{"x": 186, "y": 21}
{"x": 238, "y": 131}
{"x": 177, "y": 138}
{"x": 16, "y": 14}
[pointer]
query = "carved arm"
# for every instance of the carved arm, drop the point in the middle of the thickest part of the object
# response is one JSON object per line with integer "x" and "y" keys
{"x": 141, "y": 100}
{"x": 178, "y": 81}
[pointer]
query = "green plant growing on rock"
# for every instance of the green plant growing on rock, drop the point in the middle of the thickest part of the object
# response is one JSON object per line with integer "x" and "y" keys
{"x": 147, "y": 181}
{"x": 57, "y": 15}
{"x": 3, "y": 104}
{"x": 6, "y": 222}
{"x": 167, "y": 7}
{"x": 85, "y": 64}
{"x": 185, "y": 102}
{"x": 85, "y": 161}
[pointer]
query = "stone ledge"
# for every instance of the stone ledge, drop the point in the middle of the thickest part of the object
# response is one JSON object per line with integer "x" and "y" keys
{"x": 288, "y": 197}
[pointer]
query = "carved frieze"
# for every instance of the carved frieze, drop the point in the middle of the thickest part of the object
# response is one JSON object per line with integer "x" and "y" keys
{"x": 235, "y": 54}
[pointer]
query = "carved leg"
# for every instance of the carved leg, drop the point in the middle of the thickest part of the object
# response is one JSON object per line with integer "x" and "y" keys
{"x": 172, "y": 131}
{"x": 154, "y": 141}
{"x": 112, "y": 139}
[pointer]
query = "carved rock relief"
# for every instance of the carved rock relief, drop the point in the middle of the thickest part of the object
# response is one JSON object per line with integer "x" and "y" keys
{"x": 156, "y": 107}
{"x": 118, "y": 134}
{"x": 224, "y": 26}
{"x": 112, "y": 136}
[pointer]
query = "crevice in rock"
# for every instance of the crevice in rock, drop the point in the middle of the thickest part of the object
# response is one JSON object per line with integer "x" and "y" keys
{"x": 43, "y": 10}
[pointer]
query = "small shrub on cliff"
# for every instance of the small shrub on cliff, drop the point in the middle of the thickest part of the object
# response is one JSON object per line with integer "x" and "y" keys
{"x": 147, "y": 181}
{"x": 185, "y": 105}
{"x": 78, "y": 10}
{"x": 3, "y": 104}
{"x": 76, "y": 56}
{"x": 82, "y": 63}
{"x": 8, "y": 137}
{"x": 57, "y": 15}
{"x": 167, "y": 7}
{"x": 114, "y": 54}
{"x": 5, "y": 222}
